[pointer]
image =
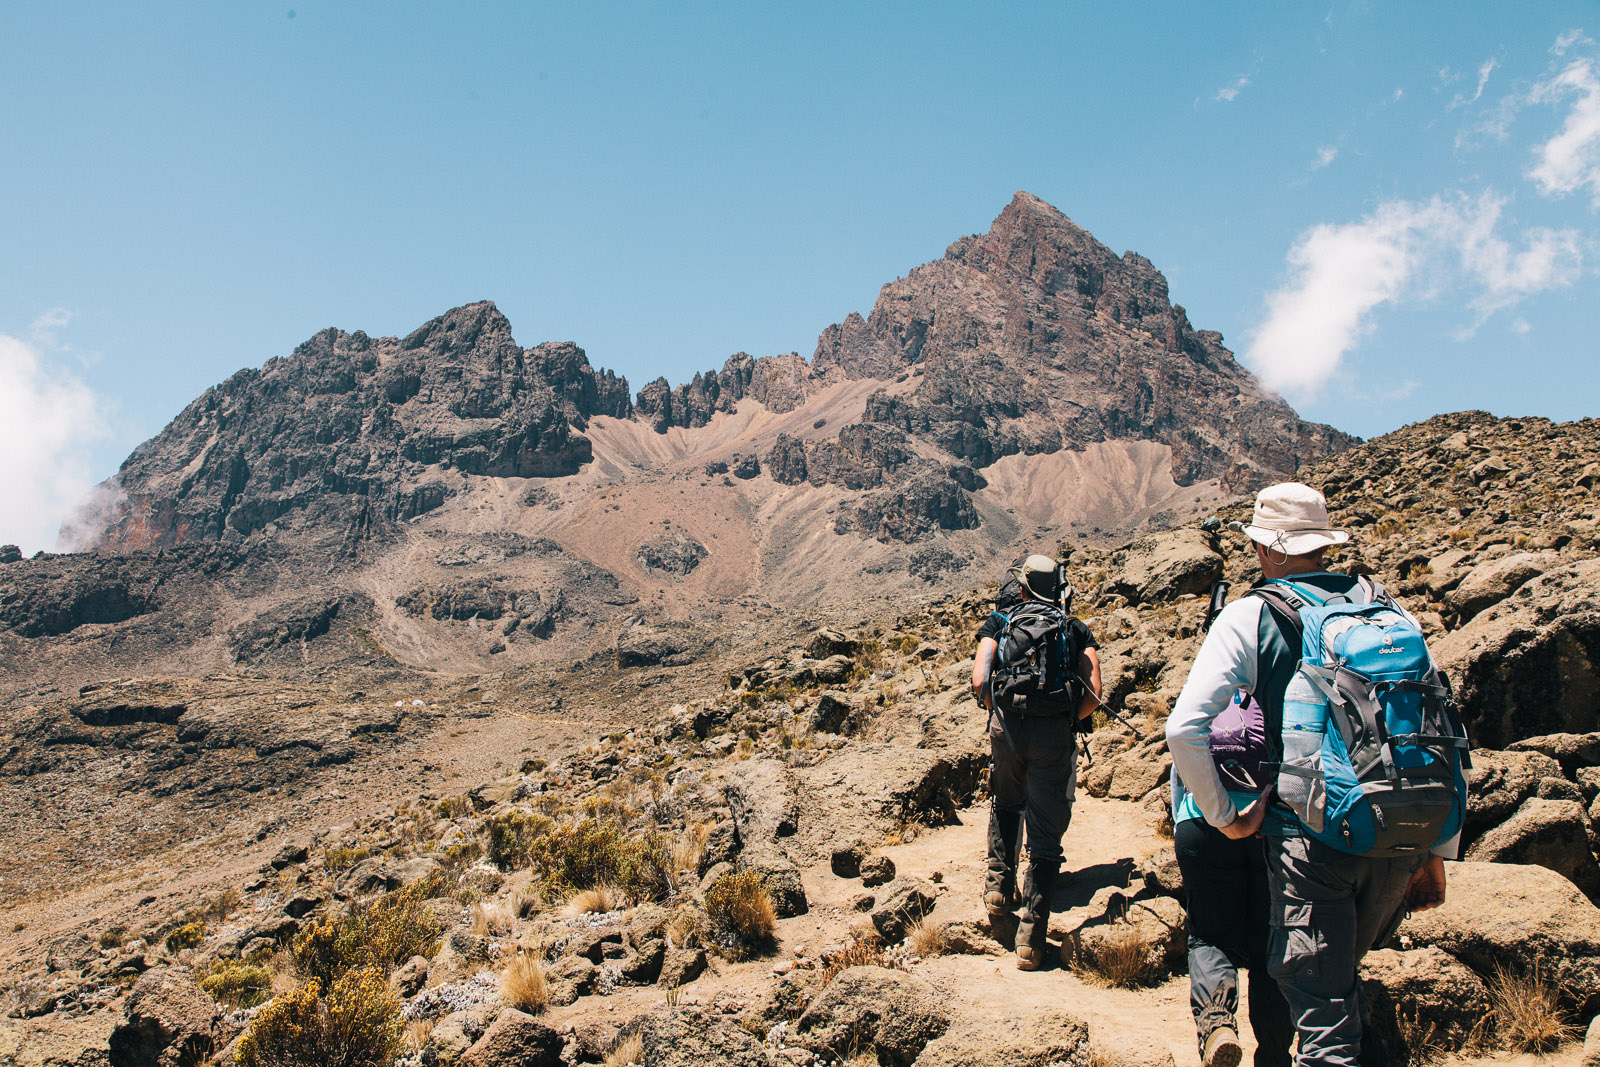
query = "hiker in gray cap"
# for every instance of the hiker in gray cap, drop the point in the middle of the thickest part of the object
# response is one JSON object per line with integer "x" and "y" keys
{"x": 1037, "y": 671}
{"x": 1355, "y": 821}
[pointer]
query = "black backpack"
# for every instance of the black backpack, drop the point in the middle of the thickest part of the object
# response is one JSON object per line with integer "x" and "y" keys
{"x": 1036, "y": 664}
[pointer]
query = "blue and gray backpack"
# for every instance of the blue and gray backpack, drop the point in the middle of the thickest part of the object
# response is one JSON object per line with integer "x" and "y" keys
{"x": 1371, "y": 751}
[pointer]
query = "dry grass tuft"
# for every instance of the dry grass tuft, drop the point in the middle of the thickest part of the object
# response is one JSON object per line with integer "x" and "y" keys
{"x": 1122, "y": 957}
{"x": 926, "y": 939}
{"x": 416, "y": 1034}
{"x": 523, "y": 984}
{"x": 599, "y": 899}
{"x": 865, "y": 951}
{"x": 687, "y": 850}
{"x": 1421, "y": 1039}
{"x": 1527, "y": 1012}
{"x": 492, "y": 919}
{"x": 738, "y": 903}
{"x": 628, "y": 1053}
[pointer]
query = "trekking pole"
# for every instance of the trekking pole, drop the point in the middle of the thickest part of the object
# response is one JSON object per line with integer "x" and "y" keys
{"x": 1103, "y": 706}
{"x": 1219, "y": 597}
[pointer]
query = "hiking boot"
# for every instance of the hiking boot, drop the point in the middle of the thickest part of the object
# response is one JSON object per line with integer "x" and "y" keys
{"x": 997, "y": 902}
{"x": 1033, "y": 921}
{"x": 1030, "y": 956}
{"x": 1222, "y": 1048}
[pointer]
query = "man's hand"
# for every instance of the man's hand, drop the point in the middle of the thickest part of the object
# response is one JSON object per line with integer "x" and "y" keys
{"x": 1248, "y": 824}
{"x": 1426, "y": 888}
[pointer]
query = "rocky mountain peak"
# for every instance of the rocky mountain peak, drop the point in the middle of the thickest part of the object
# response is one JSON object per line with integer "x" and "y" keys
{"x": 349, "y": 430}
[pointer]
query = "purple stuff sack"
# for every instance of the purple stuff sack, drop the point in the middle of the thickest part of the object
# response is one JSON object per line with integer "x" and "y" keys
{"x": 1239, "y": 744}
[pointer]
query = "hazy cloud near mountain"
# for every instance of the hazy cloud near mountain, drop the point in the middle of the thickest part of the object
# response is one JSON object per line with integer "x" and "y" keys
{"x": 48, "y": 420}
{"x": 1459, "y": 246}
{"x": 1341, "y": 274}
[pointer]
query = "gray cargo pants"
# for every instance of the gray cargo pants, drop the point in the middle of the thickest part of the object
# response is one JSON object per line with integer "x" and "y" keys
{"x": 1033, "y": 776}
{"x": 1327, "y": 908}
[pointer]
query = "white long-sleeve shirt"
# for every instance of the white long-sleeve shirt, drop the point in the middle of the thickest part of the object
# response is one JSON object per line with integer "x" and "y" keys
{"x": 1227, "y": 661}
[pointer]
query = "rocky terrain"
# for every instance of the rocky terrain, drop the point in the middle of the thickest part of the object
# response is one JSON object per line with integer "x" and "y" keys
{"x": 422, "y": 844}
{"x": 1029, "y": 386}
{"x": 433, "y": 700}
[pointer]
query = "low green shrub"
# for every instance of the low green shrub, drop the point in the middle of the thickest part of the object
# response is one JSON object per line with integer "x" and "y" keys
{"x": 186, "y": 936}
{"x": 337, "y": 859}
{"x": 239, "y": 985}
{"x": 511, "y": 837}
{"x": 586, "y": 853}
{"x": 389, "y": 931}
{"x": 356, "y": 1024}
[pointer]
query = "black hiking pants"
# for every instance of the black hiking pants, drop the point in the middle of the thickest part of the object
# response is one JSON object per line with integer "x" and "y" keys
{"x": 1228, "y": 899}
{"x": 1033, "y": 776}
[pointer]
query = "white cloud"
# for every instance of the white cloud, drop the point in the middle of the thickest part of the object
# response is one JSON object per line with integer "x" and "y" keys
{"x": 1325, "y": 155}
{"x": 48, "y": 420}
{"x": 1341, "y": 274}
{"x": 1521, "y": 326}
{"x": 1570, "y": 160}
{"x": 1568, "y": 40}
{"x": 1486, "y": 69}
{"x": 1230, "y": 92}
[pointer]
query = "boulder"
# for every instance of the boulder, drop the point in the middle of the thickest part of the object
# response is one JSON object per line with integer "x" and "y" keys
{"x": 845, "y": 862}
{"x": 967, "y": 939}
{"x": 763, "y": 796}
{"x": 1160, "y": 873}
{"x": 1144, "y": 938}
{"x": 876, "y": 871}
{"x": 1130, "y": 773}
{"x": 411, "y": 976}
{"x": 167, "y": 1022}
{"x": 453, "y": 1035}
{"x": 1165, "y": 566}
{"x": 1550, "y": 833}
{"x": 901, "y": 903}
{"x": 372, "y": 875}
{"x": 1531, "y": 664}
{"x": 70, "y": 952}
{"x": 1573, "y": 751}
{"x": 1517, "y": 916}
{"x": 1489, "y": 583}
{"x": 681, "y": 966}
{"x": 829, "y": 642}
{"x": 1036, "y": 1039}
{"x": 692, "y": 1037}
{"x": 870, "y": 789}
{"x": 783, "y": 1001}
{"x": 1591, "y": 1040}
{"x": 1424, "y": 990}
{"x": 569, "y": 978}
{"x": 1500, "y": 781}
{"x": 515, "y": 1039}
{"x": 781, "y": 878}
{"x": 894, "y": 1011}
{"x": 835, "y": 713}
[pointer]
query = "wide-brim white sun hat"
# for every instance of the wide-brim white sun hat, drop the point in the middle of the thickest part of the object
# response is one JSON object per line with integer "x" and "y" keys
{"x": 1293, "y": 519}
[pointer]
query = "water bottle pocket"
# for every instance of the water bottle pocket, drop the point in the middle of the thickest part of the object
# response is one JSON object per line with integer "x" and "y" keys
{"x": 1301, "y": 783}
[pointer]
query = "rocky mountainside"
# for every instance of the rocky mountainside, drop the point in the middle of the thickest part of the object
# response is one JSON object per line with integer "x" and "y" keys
{"x": 452, "y": 500}
{"x": 1031, "y": 338}
{"x": 841, "y": 770}
{"x": 346, "y": 431}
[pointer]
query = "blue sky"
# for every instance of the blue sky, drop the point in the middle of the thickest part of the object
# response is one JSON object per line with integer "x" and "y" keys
{"x": 1388, "y": 210}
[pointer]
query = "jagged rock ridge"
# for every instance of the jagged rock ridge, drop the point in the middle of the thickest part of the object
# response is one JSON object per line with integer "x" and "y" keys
{"x": 349, "y": 430}
{"x": 1030, "y": 338}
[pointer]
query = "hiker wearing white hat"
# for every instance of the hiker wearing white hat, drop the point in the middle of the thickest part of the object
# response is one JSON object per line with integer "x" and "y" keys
{"x": 1324, "y": 908}
{"x": 1037, "y": 671}
{"x": 1291, "y": 519}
